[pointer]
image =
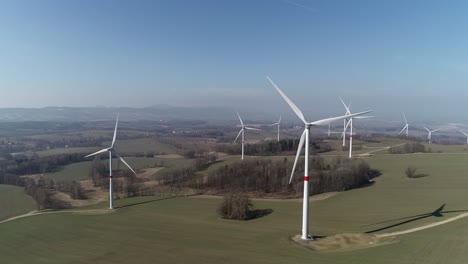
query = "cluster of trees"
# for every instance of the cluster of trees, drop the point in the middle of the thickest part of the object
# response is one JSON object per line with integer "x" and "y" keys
{"x": 264, "y": 177}
{"x": 236, "y": 207}
{"x": 413, "y": 147}
{"x": 267, "y": 176}
{"x": 265, "y": 148}
{"x": 23, "y": 165}
{"x": 43, "y": 191}
{"x": 12, "y": 172}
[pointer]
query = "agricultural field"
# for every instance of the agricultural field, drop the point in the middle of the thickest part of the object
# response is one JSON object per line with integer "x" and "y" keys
{"x": 73, "y": 172}
{"x": 143, "y": 145}
{"x": 80, "y": 171}
{"x": 181, "y": 229}
{"x": 58, "y": 151}
{"x": 13, "y": 201}
{"x": 175, "y": 230}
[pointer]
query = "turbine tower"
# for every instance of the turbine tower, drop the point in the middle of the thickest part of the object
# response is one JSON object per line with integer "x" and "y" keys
{"x": 305, "y": 137}
{"x": 242, "y": 132}
{"x": 112, "y": 150}
{"x": 429, "y": 135}
{"x": 406, "y": 126}
{"x": 350, "y": 124}
{"x": 277, "y": 124}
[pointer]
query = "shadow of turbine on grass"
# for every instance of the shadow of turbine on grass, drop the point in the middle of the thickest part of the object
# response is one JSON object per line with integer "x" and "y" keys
{"x": 437, "y": 213}
{"x": 145, "y": 202}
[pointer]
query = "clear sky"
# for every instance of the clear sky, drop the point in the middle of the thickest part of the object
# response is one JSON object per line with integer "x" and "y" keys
{"x": 383, "y": 55}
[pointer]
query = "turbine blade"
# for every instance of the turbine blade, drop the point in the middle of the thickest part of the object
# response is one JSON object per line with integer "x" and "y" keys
{"x": 242, "y": 123}
{"x": 299, "y": 148}
{"x": 363, "y": 117}
{"x": 348, "y": 112}
{"x": 333, "y": 119}
{"x": 290, "y": 103}
{"x": 238, "y": 135}
{"x": 342, "y": 135}
{"x": 115, "y": 131}
{"x": 124, "y": 162}
{"x": 97, "y": 152}
{"x": 251, "y": 128}
{"x": 427, "y": 129}
{"x": 402, "y": 130}
{"x": 346, "y": 127}
{"x": 463, "y": 133}
{"x": 279, "y": 121}
{"x": 404, "y": 116}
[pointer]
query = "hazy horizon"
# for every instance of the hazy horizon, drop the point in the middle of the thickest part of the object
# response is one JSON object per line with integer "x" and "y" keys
{"x": 390, "y": 57}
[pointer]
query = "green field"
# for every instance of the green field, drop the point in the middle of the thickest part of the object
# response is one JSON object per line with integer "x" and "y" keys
{"x": 143, "y": 145}
{"x": 80, "y": 170}
{"x": 72, "y": 172}
{"x": 181, "y": 230}
{"x": 13, "y": 201}
{"x": 58, "y": 151}
{"x": 187, "y": 229}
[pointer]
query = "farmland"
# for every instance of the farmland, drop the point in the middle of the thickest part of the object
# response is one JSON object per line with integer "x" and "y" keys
{"x": 142, "y": 229}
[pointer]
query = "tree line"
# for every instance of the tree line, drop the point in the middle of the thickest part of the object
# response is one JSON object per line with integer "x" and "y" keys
{"x": 272, "y": 147}
{"x": 267, "y": 176}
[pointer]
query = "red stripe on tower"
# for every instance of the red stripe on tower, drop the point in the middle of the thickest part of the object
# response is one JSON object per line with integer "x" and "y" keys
{"x": 110, "y": 177}
{"x": 306, "y": 178}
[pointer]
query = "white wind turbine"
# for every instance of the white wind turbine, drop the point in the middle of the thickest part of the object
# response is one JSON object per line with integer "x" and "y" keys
{"x": 277, "y": 124}
{"x": 112, "y": 150}
{"x": 242, "y": 132}
{"x": 350, "y": 124}
{"x": 429, "y": 135}
{"x": 464, "y": 134}
{"x": 345, "y": 122}
{"x": 305, "y": 136}
{"x": 406, "y": 126}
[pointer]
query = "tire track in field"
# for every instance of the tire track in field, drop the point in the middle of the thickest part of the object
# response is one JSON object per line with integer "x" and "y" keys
{"x": 34, "y": 213}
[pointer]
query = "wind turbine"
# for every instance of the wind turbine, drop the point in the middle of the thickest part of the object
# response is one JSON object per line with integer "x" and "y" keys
{"x": 350, "y": 123}
{"x": 406, "y": 126}
{"x": 278, "y": 124}
{"x": 242, "y": 132}
{"x": 429, "y": 136}
{"x": 112, "y": 150}
{"x": 305, "y": 136}
{"x": 345, "y": 121}
{"x": 464, "y": 134}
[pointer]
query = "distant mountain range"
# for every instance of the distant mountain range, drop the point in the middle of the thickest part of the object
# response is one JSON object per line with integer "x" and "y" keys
{"x": 154, "y": 113}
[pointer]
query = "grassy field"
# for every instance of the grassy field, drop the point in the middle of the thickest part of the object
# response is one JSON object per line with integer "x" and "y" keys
{"x": 187, "y": 229}
{"x": 80, "y": 170}
{"x": 57, "y": 151}
{"x": 180, "y": 230}
{"x": 143, "y": 145}
{"x": 13, "y": 201}
{"x": 72, "y": 172}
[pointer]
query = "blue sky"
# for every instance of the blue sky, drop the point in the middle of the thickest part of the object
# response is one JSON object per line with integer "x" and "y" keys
{"x": 384, "y": 55}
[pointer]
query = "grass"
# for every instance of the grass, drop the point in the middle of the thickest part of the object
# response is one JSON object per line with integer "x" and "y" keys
{"x": 180, "y": 230}
{"x": 80, "y": 170}
{"x": 72, "y": 172}
{"x": 58, "y": 151}
{"x": 143, "y": 145}
{"x": 13, "y": 201}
